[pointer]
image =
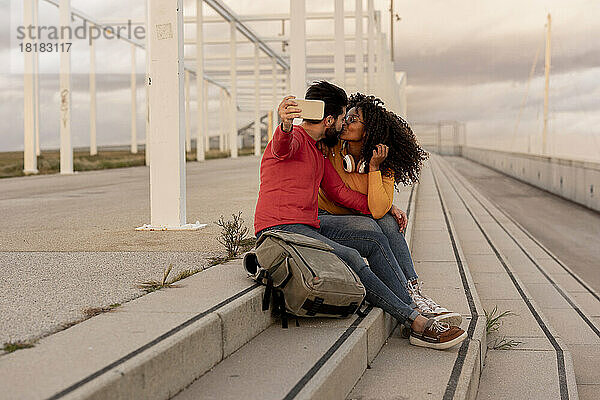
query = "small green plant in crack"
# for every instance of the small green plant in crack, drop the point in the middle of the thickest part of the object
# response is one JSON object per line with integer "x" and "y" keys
{"x": 93, "y": 311}
{"x": 233, "y": 233}
{"x": 186, "y": 273}
{"x": 504, "y": 344}
{"x": 245, "y": 245}
{"x": 9, "y": 347}
{"x": 494, "y": 320}
{"x": 493, "y": 323}
{"x": 152, "y": 286}
{"x": 218, "y": 260}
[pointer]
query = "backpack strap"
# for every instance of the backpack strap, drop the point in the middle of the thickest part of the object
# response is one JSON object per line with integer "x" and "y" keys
{"x": 278, "y": 298}
{"x": 360, "y": 312}
{"x": 280, "y": 305}
{"x": 264, "y": 274}
{"x": 317, "y": 306}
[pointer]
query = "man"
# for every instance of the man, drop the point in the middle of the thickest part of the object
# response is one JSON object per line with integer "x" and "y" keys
{"x": 291, "y": 172}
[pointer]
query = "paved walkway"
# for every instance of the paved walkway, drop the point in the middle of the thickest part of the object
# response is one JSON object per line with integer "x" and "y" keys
{"x": 464, "y": 248}
{"x": 564, "y": 306}
{"x": 566, "y": 228}
{"x": 67, "y": 243}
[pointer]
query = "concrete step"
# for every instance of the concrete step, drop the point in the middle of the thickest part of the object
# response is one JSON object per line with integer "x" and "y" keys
{"x": 508, "y": 277}
{"x": 155, "y": 346}
{"x": 149, "y": 348}
{"x": 403, "y": 371}
{"x": 320, "y": 359}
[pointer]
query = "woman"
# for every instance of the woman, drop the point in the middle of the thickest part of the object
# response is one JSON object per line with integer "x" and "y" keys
{"x": 377, "y": 151}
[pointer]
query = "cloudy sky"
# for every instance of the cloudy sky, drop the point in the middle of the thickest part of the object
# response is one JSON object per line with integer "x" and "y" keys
{"x": 466, "y": 60}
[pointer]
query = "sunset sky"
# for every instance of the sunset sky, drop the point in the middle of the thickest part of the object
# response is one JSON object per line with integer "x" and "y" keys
{"x": 465, "y": 60}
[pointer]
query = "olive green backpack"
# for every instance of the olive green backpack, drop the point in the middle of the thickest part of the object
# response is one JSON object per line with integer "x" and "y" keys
{"x": 303, "y": 276}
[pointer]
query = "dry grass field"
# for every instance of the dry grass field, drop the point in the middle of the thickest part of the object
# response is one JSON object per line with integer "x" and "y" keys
{"x": 11, "y": 163}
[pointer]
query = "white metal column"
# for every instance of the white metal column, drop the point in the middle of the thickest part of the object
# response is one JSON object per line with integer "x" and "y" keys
{"x": 133, "y": 102}
{"x": 339, "y": 54}
{"x": 222, "y": 107}
{"x": 401, "y": 79}
{"x": 222, "y": 124}
{"x": 230, "y": 126}
{"x": 257, "y": 135}
{"x": 205, "y": 113}
{"x": 147, "y": 149}
{"x": 359, "y": 52}
{"x": 167, "y": 133}
{"x": 371, "y": 46}
{"x": 379, "y": 59}
{"x": 93, "y": 142}
{"x": 288, "y": 83}
{"x": 274, "y": 93}
{"x": 547, "y": 63}
{"x": 298, "y": 47}
{"x": 200, "y": 132}
{"x": 29, "y": 157}
{"x": 66, "y": 148}
{"x": 233, "y": 81}
{"x": 36, "y": 83}
{"x": 188, "y": 136}
{"x": 380, "y": 85}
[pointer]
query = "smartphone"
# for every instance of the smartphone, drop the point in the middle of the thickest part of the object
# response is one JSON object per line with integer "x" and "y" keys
{"x": 311, "y": 109}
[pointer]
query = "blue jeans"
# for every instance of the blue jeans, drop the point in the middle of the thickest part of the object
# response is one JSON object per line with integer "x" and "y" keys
{"x": 378, "y": 293}
{"x": 392, "y": 264}
{"x": 389, "y": 227}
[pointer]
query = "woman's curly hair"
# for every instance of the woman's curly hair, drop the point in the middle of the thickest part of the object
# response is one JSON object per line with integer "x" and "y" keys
{"x": 405, "y": 156}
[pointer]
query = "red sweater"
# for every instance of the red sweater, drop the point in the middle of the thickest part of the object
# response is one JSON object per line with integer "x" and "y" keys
{"x": 291, "y": 171}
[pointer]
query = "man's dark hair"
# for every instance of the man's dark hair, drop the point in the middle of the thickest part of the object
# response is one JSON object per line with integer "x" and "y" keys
{"x": 335, "y": 99}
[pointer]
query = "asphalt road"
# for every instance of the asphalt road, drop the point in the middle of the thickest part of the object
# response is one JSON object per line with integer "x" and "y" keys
{"x": 570, "y": 231}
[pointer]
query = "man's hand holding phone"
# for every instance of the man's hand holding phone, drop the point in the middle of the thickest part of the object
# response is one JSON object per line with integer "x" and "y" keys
{"x": 288, "y": 110}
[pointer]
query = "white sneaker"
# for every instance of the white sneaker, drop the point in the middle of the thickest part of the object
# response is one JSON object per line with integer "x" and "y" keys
{"x": 430, "y": 308}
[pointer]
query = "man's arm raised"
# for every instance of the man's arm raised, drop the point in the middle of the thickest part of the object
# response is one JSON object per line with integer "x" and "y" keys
{"x": 283, "y": 143}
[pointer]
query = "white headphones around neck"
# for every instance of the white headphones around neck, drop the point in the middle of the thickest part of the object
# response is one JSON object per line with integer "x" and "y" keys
{"x": 348, "y": 161}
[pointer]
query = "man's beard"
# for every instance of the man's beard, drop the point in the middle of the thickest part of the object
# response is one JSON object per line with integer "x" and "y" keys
{"x": 331, "y": 136}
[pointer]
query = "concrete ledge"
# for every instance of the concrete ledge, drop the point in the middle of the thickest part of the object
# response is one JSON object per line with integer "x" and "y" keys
{"x": 379, "y": 326}
{"x": 468, "y": 381}
{"x": 242, "y": 320}
{"x": 505, "y": 286}
{"x": 337, "y": 377}
{"x": 399, "y": 368}
{"x": 149, "y": 348}
{"x": 163, "y": 370}
{"x": 157, "y": 345}
{"x": 329, "y": 356}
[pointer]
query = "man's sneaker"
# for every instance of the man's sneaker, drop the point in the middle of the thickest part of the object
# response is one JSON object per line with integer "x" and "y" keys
{"x": 430, "y": 308}
{"x": 438, "y": 335}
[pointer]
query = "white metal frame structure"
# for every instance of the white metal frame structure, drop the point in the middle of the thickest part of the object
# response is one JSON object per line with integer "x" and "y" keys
{"x": 247, "y": 83}
{"x": 167, "y": 117}
{"x": 29, "y": 116}
{"x": 66, "y": 147}
{"x": 298, "y": 47}
{"x": 201, "y": 136}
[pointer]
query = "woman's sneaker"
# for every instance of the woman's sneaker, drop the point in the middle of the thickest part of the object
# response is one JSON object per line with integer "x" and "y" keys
{"x": 438, "y": 335}
{"x": 429, "y": 308}
{"x": 448, "y": 317}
